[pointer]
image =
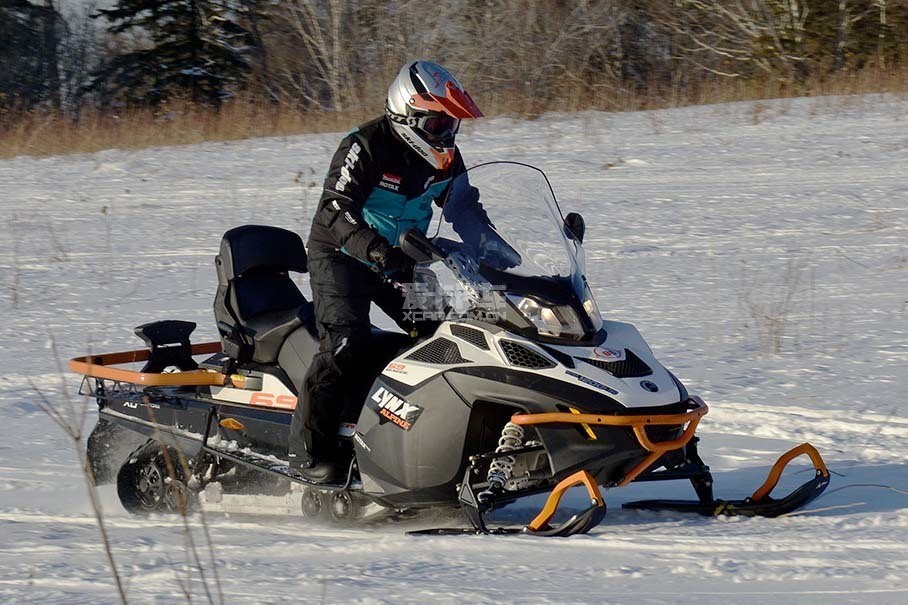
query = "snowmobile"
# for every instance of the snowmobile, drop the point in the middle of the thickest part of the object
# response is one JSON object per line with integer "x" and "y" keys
{"x": 523, "y": 389}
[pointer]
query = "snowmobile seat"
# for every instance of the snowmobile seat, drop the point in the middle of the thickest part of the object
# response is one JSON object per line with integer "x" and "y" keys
{"x": 257, "y": 304}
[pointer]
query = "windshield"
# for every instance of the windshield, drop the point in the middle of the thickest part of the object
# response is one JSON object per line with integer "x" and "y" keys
{"x": 507, "y": 216}
{"x": 503, "y": 232}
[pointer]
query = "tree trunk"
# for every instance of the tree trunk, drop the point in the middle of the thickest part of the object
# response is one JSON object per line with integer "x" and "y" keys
{"x": 51, "y": 58}
{"x": 841, "y": 39}
{"x": 881, "y": 36}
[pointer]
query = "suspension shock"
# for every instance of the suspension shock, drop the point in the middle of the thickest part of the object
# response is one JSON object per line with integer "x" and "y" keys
{"x": 501, "y": 467}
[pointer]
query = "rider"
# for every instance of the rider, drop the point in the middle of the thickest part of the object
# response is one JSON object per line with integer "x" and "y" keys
{"x": 382, "y": 181}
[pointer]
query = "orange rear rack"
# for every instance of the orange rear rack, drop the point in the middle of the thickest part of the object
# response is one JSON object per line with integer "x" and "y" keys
{"x": 99, "y": 366}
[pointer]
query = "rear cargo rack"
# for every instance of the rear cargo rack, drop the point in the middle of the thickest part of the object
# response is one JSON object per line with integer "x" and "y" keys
{"x": 168, "y": 347}
{"x": 100, "y": 366}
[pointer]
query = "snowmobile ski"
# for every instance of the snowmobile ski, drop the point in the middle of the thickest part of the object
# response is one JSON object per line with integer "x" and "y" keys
{"x": 760, "y": 504}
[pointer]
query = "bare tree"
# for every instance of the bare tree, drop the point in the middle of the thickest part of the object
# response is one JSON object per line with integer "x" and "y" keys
{"x": 71, "y": 420}
{"x": 527, "y": 53}
{"x": 320, "y": 28}
{"x": 846, "y": 18}
{"x": 743, "y": 38}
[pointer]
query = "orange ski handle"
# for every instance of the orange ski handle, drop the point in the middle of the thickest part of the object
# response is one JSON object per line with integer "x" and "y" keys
{"x": 776, "y": 472}
{"x": 637, "y": 422}
{"x": 578, "y": 478}
{"x": 99, "y": 366}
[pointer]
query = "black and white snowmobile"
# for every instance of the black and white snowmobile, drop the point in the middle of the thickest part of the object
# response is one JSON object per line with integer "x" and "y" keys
{"x": 522, "y": 390}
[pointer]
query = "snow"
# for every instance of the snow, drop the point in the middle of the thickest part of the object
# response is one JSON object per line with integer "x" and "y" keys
{"x": 760, "y": 248}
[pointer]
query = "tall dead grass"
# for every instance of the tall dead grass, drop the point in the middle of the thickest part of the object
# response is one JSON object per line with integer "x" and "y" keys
{"x": 39, "y": 133}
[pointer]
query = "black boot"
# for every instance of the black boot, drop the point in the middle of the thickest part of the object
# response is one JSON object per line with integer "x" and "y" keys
{"x": 315, "y": 471}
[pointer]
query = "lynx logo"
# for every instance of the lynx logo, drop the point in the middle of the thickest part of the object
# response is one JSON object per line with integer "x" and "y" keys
{"x": 349, "y": 163}
{"x": 391, "y": 407}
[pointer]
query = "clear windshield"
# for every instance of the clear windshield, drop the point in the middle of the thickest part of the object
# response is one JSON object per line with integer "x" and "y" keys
{"x": 502, "y": 232}
{"x": 505, "y": 217}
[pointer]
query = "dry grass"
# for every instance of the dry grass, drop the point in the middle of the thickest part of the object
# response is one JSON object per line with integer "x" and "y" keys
{"x": 867, "y": 81}
{"x": 41, "y": 134}
{"x": 180, "y": 123}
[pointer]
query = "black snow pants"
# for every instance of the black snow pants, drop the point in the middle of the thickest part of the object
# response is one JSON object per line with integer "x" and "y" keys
{"x": 341, "y": 373}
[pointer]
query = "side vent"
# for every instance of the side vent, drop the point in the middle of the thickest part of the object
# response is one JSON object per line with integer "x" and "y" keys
{"x": 524, "y": 357}
{"x": 440, "y": 351}
{"x": 630, "y": 367}
{"x": 473, "y": 336}
{"x": 562, "y": 358}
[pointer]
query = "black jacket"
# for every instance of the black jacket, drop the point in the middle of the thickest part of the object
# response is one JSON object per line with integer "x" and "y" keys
{"x": 376, "y": 187}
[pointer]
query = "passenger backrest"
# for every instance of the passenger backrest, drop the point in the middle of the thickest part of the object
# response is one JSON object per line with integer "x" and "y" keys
{"x": 257, "y": 303}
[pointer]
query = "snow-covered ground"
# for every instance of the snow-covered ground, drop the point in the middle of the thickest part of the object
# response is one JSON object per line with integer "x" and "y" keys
{"x": 759, "y": 247}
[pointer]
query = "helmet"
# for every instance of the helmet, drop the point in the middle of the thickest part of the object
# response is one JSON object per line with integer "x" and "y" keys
{"x": 425, "y": 105}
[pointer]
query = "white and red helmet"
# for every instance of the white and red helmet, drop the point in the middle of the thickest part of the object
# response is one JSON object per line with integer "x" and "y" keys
{"x": 425, "y": 106}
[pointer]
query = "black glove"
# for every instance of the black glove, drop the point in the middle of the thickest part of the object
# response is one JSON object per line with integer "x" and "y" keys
{"x": 391, "y": 260}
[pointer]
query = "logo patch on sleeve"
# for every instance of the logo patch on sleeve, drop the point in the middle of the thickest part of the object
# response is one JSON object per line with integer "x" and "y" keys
{"x": 349, "y": 163}
{"x": 393, "y": 408}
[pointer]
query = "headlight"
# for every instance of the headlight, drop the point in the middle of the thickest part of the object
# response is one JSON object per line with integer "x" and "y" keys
{"x": 558, "y": 321}
{"x": 591, "y": 308}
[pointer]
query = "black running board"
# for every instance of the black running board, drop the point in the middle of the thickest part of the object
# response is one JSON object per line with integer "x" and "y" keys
{"x": 271, "y": 465}
{"x": 280, "y": 469}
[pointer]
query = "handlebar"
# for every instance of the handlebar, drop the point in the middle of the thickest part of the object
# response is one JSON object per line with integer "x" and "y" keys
{"x": 418, "y": 247}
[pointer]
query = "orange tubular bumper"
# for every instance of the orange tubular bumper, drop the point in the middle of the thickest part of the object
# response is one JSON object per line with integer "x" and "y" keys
{"x": 637, "y": 422}
{"x": 99, "y": 366}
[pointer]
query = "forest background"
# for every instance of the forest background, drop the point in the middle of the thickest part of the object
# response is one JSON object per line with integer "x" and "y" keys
{"x": 84, "y": 76}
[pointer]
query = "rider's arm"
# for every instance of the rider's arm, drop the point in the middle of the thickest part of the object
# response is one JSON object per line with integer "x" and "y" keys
{"x": 457, "y": 168}
{"x": 470, "y": 221}
{"x": 349, "y": 181}
{"x": 465, "y": 213}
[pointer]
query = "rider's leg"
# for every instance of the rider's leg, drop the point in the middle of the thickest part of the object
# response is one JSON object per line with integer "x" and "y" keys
{"x": 342, "y": 290}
